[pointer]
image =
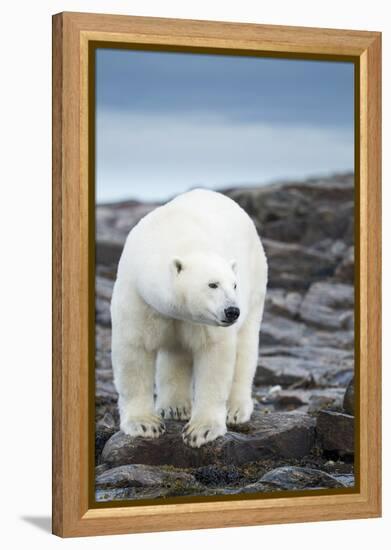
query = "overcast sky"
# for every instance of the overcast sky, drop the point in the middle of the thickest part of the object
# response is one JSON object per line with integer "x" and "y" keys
{"x": 167, "y": 122}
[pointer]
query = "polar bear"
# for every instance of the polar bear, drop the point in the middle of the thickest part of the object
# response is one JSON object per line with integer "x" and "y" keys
{"x": 186, "y": 311}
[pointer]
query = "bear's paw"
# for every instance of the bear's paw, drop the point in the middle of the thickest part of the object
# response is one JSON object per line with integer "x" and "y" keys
{"x": 143, "y": 426}
{"x": 239, "y": 411}
{"x": 196, "y": 434}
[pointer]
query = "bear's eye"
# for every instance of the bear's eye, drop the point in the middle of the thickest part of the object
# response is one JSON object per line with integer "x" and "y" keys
{"x": 235, "y": 285}
{"x": 213, "y": 285}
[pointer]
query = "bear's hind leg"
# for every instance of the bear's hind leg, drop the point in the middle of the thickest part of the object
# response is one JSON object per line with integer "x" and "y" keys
{"x": 173, "y": 384}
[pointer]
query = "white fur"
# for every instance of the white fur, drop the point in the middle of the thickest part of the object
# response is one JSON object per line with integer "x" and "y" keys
{"x": 166, "y": 318}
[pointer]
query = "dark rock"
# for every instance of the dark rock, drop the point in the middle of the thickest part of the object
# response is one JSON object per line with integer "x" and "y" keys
{"x": 277, "y": 434}
{"x": 336, "y": 248}
{"x": 103, "y": 350}
{"x": 103, "y": 292}
{"x": 100, "y": 468}
{"x": 317, "y": 355}
{"x": 285, "y": 211}
{"x": 336, "y": 377}
{"x": 102, "y": 313}
{"x": 320, "y": 402}
{"x": 348, "y": 480}
{"x": 104, "y": 375}
{"x": 106, "y": 426}
{"x": 299, "y": 398}
{"x": 290, "y": 477}
{"x": 281, "y": 370}
{"x": 304, "y": 367}
{"x": 277, "y": 330}
{"x": 113, "y": 223}
{"x": 107, "y": 422}
{"x": 295, "y": 267}
{"x": 218, "y": 475}
{"x": 106, "y": 389}
{"x": 339, "y": 467}
{"x": 283, "y": 303}
{"x": 332, "y": 295}
{"x": 296, "y": 372}
{"x": 281, "y": 331}
{"x": 106, "y": 271}
{"x": 345, "y": 269}
{"x": 343, "y": 339}
{"x": 110, "y": 495}
{"x": 310, "y": 400}
{"x": 104, "y": 394}
{"x": 348, "y": 400}
{"x": 154, "y": 492}
{"x": 118, "y": 218}
{"x": 335, "y": 431}
{"x": 103, "y": 288}
{"x": 108, "y": 252}
{"x": 257, "y": 487}
{"x": 101, "y": 438}
{"x": 328, "y": 305}
{"x": 140, "y": 475}
{"x": 288, "y": 401}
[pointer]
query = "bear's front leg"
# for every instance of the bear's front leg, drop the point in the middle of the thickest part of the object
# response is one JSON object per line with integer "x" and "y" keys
{"x": 240, "y": 404}
{"x": 134, "y": 370}
{"x": 213, "y": 371}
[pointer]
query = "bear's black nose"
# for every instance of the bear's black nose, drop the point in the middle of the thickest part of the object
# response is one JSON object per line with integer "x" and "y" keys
{"x": 232, "y": 313}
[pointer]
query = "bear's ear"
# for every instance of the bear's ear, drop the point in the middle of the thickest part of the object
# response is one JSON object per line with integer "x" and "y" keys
{"x": 177, "y": 265}
{"x": 234, "y": 265}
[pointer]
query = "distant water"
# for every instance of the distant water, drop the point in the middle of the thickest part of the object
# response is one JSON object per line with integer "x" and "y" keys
{"x": 160, "y": 192}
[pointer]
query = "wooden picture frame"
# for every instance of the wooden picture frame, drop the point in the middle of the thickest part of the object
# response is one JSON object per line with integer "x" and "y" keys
{"x": 73, "y": 291}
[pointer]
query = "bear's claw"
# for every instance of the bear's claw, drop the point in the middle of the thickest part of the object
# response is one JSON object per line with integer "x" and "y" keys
{"x": 182, "y": 412}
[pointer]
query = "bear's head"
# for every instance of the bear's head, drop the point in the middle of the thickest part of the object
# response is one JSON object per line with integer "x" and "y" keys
{"x": 205, "y": 288}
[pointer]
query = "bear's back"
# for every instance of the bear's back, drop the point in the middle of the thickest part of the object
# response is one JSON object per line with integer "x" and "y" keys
{"x": 201, "y": 217}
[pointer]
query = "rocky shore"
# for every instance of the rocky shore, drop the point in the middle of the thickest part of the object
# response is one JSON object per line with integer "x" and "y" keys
{"x": 301, "y": 435}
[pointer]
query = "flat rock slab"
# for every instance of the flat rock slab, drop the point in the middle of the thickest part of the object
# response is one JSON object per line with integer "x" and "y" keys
{"x": 307, "y": 211}
{"x": 140, "y": 475}
{"x": 278, "y": 331}
{"x": 288, "y": 371}
{"x": 281, "y": 302}
{"x": 294, "y": 266}
{"x": 282, "y": 435}
{"x": 313, "y": 400}
{"x": 328, "y": 305}
{"x": 282, "y": 370}
{"x": 291, "y": 477}
{"x": 323, "y": 355}
{"x": 149, "y": 493}
{"x": 138, "y": 481}
{"x": 335, "y": 431}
